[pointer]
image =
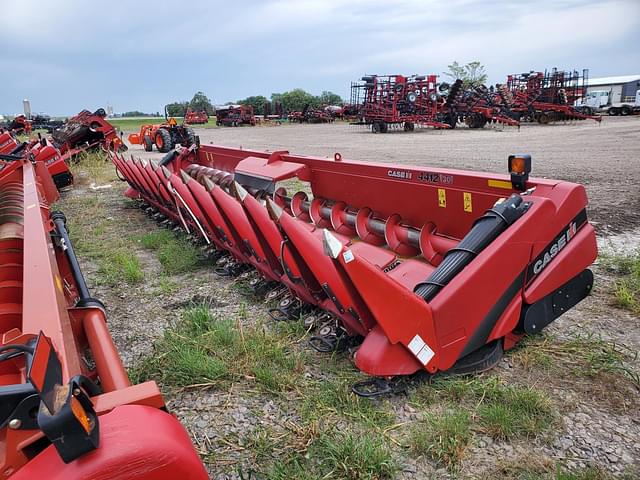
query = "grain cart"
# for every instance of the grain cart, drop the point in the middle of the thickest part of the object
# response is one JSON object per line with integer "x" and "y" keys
{"x": 165, "y": 136}
{"x": 547, "y": 96}
{"x": 395, "y": 101}
{"x": 424, "y": 269}
{"x": 68, "y": 409}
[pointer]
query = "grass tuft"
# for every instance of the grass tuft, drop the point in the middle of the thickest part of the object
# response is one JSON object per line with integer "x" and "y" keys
{"x": 202, "y": 349}
{"x": 120, "y": 266}
{"x": 626, "y": 290}
{"x": 443, "y": 438}
{"x": 175, "y": 254}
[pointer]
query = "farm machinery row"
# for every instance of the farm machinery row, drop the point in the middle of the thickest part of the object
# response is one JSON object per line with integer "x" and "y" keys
{"x": 67, "y": 407}
{"x": 416, "y": 270}
{"x": 396, "y": 101}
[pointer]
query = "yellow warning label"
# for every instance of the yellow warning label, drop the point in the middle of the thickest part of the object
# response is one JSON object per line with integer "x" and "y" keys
{"x": 58, "y": 283}
{"x": 468, "y": 206}
{"x": 499, "y": 184}
{"x": 442, "y": 198}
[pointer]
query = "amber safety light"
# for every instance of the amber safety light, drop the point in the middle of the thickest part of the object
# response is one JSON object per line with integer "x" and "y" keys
{"x": 519, "y": 168}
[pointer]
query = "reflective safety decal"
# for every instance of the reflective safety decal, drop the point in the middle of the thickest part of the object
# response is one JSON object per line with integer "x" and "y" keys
{"x": 421, "y": 350}
{"x": 468, "y": 205}
{"x": 442, "y": 198}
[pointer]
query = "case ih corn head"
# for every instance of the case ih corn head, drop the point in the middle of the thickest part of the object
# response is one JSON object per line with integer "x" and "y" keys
{"x": 42, "y": 151}
{"x": 67, "y": 408}
{"x": 424, "y": 270}
{"x": 547, "y": 97}
{"x": 164, "y": 136}
{"x": 396, "y": 101}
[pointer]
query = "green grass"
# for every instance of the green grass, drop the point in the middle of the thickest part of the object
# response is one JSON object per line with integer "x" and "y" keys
{"x": 582, "y": 355}
{"x": 175, "y": 254}
{"x": 626, "y": 289}
{"x": 93, "y": 166}
{"x": 333, "y": 398}
{"x": 202, "y": 349}
{"x": 503, "y": 411}
{"x": 443, "y": 438}
{"x": 120, "y": 266}
{"x": 353, "y": 456}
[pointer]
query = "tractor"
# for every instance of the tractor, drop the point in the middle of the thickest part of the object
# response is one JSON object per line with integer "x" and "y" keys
{"x": 164, "y": 136}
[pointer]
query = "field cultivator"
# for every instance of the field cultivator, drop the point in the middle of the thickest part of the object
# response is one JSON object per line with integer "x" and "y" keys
{"x": 548, "y": 96}
{"x": 165, "y": 136}
{"x": 475, "y": 106}
{"x": 396, "y": 101}
{"x": 235, "y": 116}
{"x": 415, "y": 269}
{"x": 192, "y": 117}
{"x": 67, "y": 407}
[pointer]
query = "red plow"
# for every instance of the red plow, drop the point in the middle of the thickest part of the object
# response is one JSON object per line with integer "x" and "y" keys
{"x": 67, "y": 408}
{"x": 414, "y": 269}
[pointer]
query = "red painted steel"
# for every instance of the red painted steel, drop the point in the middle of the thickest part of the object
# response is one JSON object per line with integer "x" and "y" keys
{"x": 39, "y": 292}
{"x": 370, "y": 233}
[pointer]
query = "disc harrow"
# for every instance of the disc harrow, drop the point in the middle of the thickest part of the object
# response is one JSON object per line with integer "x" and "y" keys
{"x": 413, "y": 269}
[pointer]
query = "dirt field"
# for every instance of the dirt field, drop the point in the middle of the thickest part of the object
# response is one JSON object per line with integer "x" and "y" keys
{"x": 564, "y": 405}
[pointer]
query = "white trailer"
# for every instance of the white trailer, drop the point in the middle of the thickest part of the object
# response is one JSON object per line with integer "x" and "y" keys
{"x": 608, "y": 101}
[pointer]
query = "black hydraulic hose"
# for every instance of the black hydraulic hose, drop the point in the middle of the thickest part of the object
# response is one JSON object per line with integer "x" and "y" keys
{"x": 59, "y": 220}
{"x": 484, "y": 231}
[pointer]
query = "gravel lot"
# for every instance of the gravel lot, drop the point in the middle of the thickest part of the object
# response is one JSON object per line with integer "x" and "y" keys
{"x": 598, "y": 422}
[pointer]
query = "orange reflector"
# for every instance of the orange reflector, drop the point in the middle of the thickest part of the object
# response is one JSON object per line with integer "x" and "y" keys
{"x": 80, "y": 414}
{"x": 517, "y": 165}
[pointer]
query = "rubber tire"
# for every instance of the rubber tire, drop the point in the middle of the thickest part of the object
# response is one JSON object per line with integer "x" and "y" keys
{"x": 191, "y": 137}
{"x": 147, "y": 143}
{"x": 375, "y": 127}
{"x": 587, "y": 110}
{"x": 384, "y": 128}
{"x": 166, "y": 143}
{"x": 624, "y": 111}
{"x": 543, "y": 118}
{"x": 613, "y": 111}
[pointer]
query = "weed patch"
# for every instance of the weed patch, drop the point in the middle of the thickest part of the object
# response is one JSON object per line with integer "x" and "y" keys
{"x": 175, "y": 254}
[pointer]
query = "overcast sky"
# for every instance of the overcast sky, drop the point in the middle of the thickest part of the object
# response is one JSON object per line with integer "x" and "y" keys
{"x": 65, "y": 55}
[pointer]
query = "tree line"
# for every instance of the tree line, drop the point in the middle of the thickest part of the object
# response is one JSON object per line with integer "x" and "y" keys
{"x": 293, "y": 100}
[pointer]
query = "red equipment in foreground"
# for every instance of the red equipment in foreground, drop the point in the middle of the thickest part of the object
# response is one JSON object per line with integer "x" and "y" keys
{"x": 430, "y": 269}
{"x": 67, "y": 408}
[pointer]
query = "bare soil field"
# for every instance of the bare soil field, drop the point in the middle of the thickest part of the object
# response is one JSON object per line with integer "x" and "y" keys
{"x": 261, "y": 404}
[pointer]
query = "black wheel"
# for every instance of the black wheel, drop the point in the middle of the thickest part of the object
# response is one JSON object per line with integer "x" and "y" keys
{"x": 587, "y": 110}
{"x": 384, "y": 128}
{"x": 147, "y": 143}
{"x": 409, "y": 127}
{"x": 191, "y": 136}
{"x": 625, "y": 110}
{"x": 451, "y": 120}
{"x": 613, "y": 111}
{"x": 164, "y": 143}
{"x": 375, "y": 127}
{"x": 543, "y": 118}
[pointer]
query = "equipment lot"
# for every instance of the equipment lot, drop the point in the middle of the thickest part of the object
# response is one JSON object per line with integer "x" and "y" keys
{"x": 571, "y": 400}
